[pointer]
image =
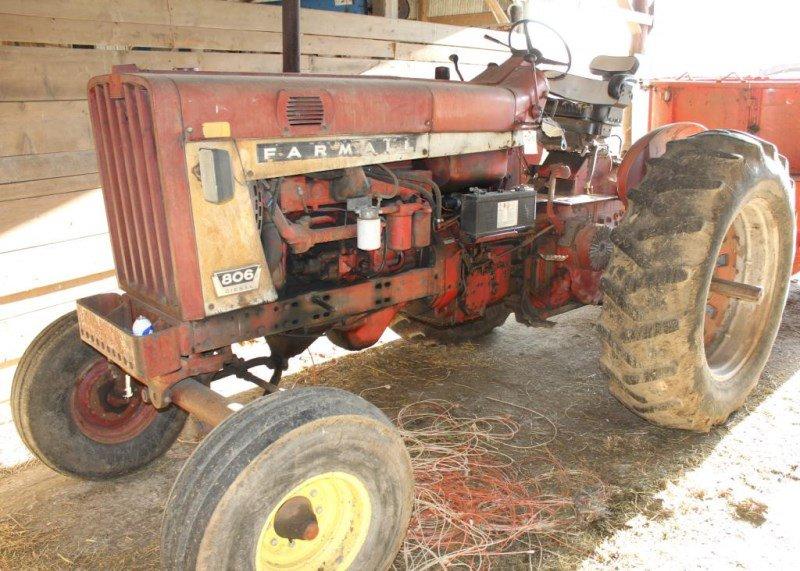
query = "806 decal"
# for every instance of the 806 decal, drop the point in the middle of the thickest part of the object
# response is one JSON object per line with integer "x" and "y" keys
{"x": 236, "y": 280}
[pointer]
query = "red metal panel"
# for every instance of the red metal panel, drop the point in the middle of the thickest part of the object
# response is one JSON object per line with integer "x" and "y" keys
{"x": 779, "y": 121}
{"x": 363, "y": 105}
{"x": 768, "y": 108}
{"x": 144, "y": 236}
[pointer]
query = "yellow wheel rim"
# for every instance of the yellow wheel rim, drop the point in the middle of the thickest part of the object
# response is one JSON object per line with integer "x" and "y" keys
{"x": 342, "y": 509}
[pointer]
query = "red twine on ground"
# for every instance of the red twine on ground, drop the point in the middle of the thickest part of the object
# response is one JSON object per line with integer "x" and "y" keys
{"x": 472, "y": 503}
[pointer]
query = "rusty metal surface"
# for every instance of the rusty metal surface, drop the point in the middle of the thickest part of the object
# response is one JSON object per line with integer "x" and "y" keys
{"x": 132, "y": 192}
{"x": 200, "y": 401}
{"x": 384, "y": 104}
{"x": 351, "y": 294}
{"x": 100, "y": 408}
{"x": 142, "y": 121}
{"x": 142, "y": 166}
{"x": 295, "y": 519}
{"x": 104, "y": 321}
{"x": 314, "y": 309}
{"x": 475, "y": 168}
{"x": 162, "y": 358}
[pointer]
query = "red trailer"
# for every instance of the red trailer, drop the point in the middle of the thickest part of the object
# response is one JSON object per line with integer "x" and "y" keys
{"x": 766, "y": 107}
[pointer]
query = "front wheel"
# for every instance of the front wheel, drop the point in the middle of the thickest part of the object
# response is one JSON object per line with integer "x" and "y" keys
{"x": 72, "y": 409}
{"x": 698, "y": 279}
{"x": 311, "y": 478}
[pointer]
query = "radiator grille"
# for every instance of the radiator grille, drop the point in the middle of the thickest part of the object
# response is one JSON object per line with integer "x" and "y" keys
{"x": 123, "y": 129}
{"x": 305, "y": 110}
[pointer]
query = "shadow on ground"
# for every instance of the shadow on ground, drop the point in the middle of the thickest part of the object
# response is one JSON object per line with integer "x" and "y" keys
{"x": 49, "y": 520}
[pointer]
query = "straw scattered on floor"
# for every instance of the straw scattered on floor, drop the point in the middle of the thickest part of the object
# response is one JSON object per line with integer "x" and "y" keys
{"x": 473, "y": 504}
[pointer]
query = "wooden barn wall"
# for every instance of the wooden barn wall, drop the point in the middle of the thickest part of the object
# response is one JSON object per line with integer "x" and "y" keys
{"x": 53, "y": 234}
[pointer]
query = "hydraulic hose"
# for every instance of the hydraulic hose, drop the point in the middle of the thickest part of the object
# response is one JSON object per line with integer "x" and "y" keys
{"x": 435, "y": 187}
{"x": 435, "y": 204}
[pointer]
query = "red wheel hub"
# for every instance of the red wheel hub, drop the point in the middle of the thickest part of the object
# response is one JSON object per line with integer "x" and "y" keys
{"x": 101, "y": 409}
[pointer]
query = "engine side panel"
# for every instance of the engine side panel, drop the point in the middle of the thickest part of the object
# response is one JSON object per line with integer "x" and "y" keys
{"x": 233, "y": 268}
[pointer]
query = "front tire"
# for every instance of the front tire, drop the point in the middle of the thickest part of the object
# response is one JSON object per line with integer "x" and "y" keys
{"x": 321, "y": 462}
{"x": 715, "y": 207}
{"x": 71, "y": 415}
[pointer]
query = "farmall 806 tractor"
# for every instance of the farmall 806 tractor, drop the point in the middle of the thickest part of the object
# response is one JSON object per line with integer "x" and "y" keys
{"x": 291, "y": 206}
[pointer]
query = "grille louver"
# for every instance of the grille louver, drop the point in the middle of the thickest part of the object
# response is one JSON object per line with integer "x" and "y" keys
{"x": 132, "y": 192}
{"x": 305, "y": 110}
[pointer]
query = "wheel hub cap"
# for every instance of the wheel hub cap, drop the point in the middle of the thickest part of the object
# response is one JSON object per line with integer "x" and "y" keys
{"x": 102, "y": 411}
{"x": 321, "y": 523}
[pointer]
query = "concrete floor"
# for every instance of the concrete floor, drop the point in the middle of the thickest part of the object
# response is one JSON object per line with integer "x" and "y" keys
{"x": 675, "y": 499}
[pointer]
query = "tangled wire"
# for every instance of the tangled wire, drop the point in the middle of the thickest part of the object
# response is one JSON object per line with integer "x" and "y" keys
{"x": 472, "y": 504}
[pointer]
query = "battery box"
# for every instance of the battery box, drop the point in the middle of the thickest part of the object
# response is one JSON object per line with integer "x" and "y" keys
{"x": 485, "y": 213}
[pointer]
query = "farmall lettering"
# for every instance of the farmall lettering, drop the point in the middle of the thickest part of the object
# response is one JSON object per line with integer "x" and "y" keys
{"x": 336, "y": 148}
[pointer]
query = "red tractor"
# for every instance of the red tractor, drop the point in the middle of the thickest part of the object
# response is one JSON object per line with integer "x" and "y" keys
{"x": 288, "y": 206}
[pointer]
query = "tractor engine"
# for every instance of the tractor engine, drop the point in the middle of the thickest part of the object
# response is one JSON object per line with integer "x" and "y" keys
{"x": 336, "y": 227}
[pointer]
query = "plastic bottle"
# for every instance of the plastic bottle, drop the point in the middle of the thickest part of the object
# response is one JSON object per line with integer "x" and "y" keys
{"x": 142, "y": 326}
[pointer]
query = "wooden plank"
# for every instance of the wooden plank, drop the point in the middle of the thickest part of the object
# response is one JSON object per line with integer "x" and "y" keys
{"x": 44, "y": 127}
{"x": 48, "y": 289}
{"x": 36, "y": 221}
{"x": 19, "y": 331}
{"x": 6, "y": 375}
{"x": 22, "y": 168}
{"x": 48, "y": 264}
{"x": 50, "y": 30}
{"x": 139, "y": 11}
{"x": 50, "y": 73}
{"x": 208, "y": 13}
{"x": 424, "y": 10}
{"x": 394, "y": 68}
{"x": 62, "y": 31}
{"x": 37, "y": 73}
{"x": 22, "y": 319}
{"x": 240, "y": 16}
{"x": 441, "y": 54}
{"x": 76, "y": 289}
{"x": 48, "y": 186}
{"x": 478, "y": 19}
{"x": 636, "y": 17}
{"x": 497, "y": 11}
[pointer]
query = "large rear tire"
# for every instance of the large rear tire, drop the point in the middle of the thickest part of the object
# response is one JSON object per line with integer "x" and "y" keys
{"x": 680, "y": 350}
{"x": 311, "y": 478}
{"x": 69, "y": 411}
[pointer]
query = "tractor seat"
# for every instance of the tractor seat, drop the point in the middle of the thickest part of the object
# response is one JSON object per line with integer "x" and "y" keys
{"x": 606, "y": 66}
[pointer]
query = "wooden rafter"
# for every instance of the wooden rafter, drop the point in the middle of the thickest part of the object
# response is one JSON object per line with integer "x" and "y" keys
{"x": 497, "y": 11}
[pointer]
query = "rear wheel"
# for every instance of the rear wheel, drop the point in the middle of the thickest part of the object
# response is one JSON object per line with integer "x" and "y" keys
{"x": 312, "y": 478}
{"x": 73, "y": 411}
{"x": 698, "y": 279}
{"x": 410, "y": 328}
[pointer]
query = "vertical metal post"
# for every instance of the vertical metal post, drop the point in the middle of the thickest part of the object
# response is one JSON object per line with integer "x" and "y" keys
{"x": 290, "y": 13}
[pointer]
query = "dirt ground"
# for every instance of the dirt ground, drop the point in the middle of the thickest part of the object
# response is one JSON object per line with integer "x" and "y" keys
{"x": 674, "y": 500}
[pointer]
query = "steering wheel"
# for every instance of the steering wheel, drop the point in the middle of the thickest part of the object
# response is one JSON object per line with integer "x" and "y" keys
{"x": 536, "y": 55}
